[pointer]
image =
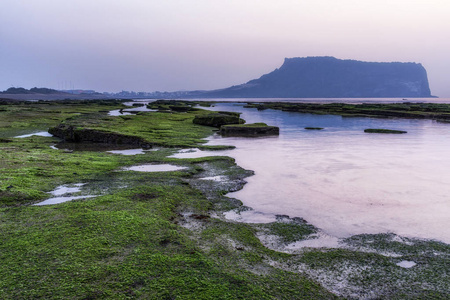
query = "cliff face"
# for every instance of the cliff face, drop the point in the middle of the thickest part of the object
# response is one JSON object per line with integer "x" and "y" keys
{"x": 328, "y": 77}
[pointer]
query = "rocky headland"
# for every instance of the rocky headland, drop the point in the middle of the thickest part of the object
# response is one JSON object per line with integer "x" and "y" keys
{"x": 329, "y": 77}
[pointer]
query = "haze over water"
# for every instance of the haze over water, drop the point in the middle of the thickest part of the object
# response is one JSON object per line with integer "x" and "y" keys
{"x": 343, "y": 180}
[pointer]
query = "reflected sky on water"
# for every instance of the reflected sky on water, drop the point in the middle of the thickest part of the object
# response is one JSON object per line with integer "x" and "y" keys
{"x": 343, "y": 180}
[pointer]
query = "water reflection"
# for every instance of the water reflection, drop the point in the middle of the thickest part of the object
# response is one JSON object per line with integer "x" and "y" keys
{"x": 197, "y": 153}
{"x": 64, "y": 193}
{"x": 118, "y": 112}
{"x": 40, "y": 133}
{"x": 346, "y": 181}
{"x": 130, "y": 151}
{"x": 154, "y": 168}
{"x": 135, "y": 107}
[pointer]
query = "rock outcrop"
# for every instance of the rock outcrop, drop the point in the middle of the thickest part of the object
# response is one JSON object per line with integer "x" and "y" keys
{"x": 218, "y": 119}
{"x": 256, "y": 129}
{"x": 388, "y": 131}
{"x": 328, "y": 77}
{"x": 73, "y": 134}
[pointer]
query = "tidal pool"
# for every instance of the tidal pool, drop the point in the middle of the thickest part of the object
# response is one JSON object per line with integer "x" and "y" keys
{"x": 406, "y": 264}
{"x": 343, "y": 180}
{"x": 154, "y": 168}
{"x": 118, "y": 112}
{"x": 40, "y": 133}
{"x": 250, "y": 216}
{"x": 215, "y": 178}
{"x": 64, "y": 193}
{"x": 67, "y": 189}
{"x": 132, "y": 109}
{"x": 130, "y": 151}
{"x": 57, "y": 200}
{"x": 196, "y": 153}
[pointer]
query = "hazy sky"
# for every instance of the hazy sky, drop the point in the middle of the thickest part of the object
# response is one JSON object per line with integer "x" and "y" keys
{"x": 168, "y": 45}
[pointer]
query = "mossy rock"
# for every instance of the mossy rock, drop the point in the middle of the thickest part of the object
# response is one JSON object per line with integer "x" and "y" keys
{"x": 256, "y": 129}
{"x": 75, "y": 134}
{"x": 218, "y": 119}
{"x": 231, "y": 113}
{"x": 384, "y": 131}
{"x": 180, "y": 108}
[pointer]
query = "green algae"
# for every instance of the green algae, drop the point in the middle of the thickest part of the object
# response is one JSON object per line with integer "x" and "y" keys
{"x": 161, "y": 235}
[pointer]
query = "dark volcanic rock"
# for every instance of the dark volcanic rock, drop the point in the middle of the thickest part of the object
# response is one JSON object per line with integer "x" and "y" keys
{"x": 218, "y": 119}
{"x": 73, "y": 134}
{"x": 384, "y": 131}
{"x": 313, "y": 128}
{"x": 256, "y": 129}
{"x": 328, "y": 77}
{"x": 180, "y": 108}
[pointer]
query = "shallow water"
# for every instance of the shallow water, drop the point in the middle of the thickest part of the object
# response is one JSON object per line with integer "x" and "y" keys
{"x": 130, "y": 151}
{"x": 343, "y": 180}
{"x": 64, "y": 189}
{"x": 132, "y": 109}
{"x": 118, "y": 112}
{"x": 154, "y": 168}
{"x": 197, "y": 153}
{"x": 64, "y": 194}
{"x": 40, "y": 133}
{"x": 250, "y": 216}
{"x": 57, "y": 200}
{"x": 406, "y": 264}
{"x": 330, "y": 100}
{"x": 215, "y": 178}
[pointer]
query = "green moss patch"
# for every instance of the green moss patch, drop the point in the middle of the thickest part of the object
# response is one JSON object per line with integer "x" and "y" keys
{"x": 162, "y": 235}
{"x": 255, "y": 129}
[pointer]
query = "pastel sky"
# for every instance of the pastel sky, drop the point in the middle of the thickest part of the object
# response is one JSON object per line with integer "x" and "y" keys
{"x": 169, "y": 45}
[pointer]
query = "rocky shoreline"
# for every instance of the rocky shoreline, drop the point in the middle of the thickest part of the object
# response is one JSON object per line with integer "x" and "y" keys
{"x": 167, "y": 234}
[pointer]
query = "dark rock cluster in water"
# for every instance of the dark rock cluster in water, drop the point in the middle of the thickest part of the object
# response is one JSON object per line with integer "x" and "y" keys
{"x": 218, "y": 119}
{"x": 375, "y": 130}
{"x": 256, "y": 129}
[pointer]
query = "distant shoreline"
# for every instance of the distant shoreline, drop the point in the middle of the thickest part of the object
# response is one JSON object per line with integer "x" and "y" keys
{"x": 65, "y": 96}
{"x": 58, "y": 96}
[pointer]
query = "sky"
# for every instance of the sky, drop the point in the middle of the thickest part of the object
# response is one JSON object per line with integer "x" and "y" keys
{"x": 171, "y": 45}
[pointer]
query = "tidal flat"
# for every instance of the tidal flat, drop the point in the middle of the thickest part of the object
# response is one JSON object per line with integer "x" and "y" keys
{"x": 164, "y": 235}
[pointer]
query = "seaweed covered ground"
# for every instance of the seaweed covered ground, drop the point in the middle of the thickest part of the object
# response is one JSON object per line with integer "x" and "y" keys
{"x": 163, "y": 235}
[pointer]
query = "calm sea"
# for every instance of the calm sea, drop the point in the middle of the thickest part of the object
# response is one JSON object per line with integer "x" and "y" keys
{"x": 343, "y": 180}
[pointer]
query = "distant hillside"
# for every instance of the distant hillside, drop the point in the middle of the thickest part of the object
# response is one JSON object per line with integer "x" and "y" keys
{"x": 35, "y": 93}
{"x": 35, "y": 90}
{"x": 329, "y": 77}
